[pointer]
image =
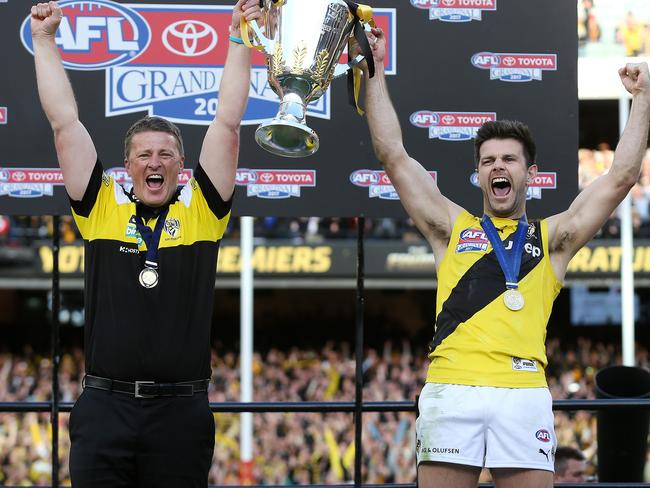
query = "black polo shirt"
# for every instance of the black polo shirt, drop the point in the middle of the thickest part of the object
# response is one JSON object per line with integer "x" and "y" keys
{"x": 162, "y": 333}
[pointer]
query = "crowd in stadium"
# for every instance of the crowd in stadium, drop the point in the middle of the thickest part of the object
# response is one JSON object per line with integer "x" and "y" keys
{"x": 16, "y": 231}
{"x": 295, "y": 448}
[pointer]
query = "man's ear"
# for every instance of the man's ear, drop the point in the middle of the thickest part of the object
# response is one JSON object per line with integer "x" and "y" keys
{"x": 532, "y": 173}
{"x": 127, "y": 166}
{"x": 181, "y": 165}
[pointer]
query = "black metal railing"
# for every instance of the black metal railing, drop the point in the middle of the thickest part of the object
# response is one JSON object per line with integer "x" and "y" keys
{"x": 356, "y": 407}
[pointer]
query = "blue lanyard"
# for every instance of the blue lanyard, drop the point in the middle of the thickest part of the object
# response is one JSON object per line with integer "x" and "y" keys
{"x": 510, "y": 261}
{"x": 151, "y": 237}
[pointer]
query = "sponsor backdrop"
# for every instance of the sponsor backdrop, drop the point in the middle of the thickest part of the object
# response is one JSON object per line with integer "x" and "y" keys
{"x": 598, "y": 260}
{"x": 452, "y": 65}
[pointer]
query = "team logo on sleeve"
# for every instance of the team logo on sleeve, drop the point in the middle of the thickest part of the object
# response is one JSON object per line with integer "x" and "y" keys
{"x": 275, "y": 183}
{"x": 168, "y": 60}
{"x": 378, "y": 183}
{"x": 451, "y": 126}
{"x": 515, "y": 67}
{"x": 455, "y": 10}
{"x": 543, "y": 181}
{"x": 472, "y": 239}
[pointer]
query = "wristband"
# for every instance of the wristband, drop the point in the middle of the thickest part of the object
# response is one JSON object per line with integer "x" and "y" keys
{"x": 235, "y": 39}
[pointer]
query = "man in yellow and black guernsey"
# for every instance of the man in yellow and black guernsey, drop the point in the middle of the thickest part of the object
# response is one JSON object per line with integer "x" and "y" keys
{"x": 486, "y": 402}
{"x": 143, "y": 418}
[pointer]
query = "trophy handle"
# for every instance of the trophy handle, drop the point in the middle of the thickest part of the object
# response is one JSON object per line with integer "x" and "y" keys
{"x": 262, "y": 43}
{"x": 342, "y": 69}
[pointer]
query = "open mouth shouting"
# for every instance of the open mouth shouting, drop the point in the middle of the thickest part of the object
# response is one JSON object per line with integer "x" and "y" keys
{"x": 155, "y": 181}
{"x": 501, "y": 186}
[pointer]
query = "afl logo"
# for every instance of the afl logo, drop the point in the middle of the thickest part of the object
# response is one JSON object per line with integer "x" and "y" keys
{"x": 364, "y": 177}
{"x": 425, "y": 4}
{"x": 96, "y": 34}
{"x": 189, "y": 38}
{"x": 424, "y": 119}
{"x": 486, "y": 60}
{"x": 543, "y": 435}
{"x": 4, "y": 175}
{"x": 246, "y": 176}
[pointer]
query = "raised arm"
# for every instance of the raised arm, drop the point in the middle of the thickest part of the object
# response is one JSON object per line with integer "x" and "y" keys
{"x": 570, "y": 230}
{"x": 220, "y": 151}
{"x": 432, "y": 212}
{"x": 74, "y": 147}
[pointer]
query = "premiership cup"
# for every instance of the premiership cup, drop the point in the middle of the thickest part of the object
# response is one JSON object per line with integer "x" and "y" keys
{"x": 303, "y": 41}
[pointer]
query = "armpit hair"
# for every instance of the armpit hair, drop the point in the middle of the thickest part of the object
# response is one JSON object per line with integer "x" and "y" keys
{"x": 562, "y": 241}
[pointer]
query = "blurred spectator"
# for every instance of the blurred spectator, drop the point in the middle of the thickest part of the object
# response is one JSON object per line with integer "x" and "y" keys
{"x": 298, "y": 448}
{"x": 570, "y": 465}
{"x": 630, "y": 33}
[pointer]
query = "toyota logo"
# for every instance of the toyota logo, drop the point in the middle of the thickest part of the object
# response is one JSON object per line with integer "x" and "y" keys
{"x": 266, "y": 177}
{"x": 189, "y": 38}
{"x": 509, "y": 61}
{"x": 448, "y": 3}
{"x": 19, "y": 176}
{"x": 448, "y": 119}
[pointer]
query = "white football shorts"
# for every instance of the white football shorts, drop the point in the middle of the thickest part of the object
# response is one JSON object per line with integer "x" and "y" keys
{"x": 486, "y": 426}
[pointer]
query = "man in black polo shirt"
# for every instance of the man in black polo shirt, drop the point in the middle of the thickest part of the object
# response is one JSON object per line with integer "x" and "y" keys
{"x": 144, "y": 418}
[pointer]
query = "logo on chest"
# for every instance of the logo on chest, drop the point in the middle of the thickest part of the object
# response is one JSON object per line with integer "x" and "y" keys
{"x": 173, "y": 228}
{"x": 472, "y": 240}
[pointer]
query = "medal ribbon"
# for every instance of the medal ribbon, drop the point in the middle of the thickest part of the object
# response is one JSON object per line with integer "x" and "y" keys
{"x": 151, "y": 237}
{"x": 510, "y": 262}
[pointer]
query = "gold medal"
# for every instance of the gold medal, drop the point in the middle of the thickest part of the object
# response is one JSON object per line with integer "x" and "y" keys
{"x": 513, "y": 299}
{"x": 148, "y": 277}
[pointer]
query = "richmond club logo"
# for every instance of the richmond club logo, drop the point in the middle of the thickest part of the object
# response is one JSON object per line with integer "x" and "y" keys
{"x": 455, "y": 10}
{"x": 168, "y": 60}
{"x": 515, "y": 67}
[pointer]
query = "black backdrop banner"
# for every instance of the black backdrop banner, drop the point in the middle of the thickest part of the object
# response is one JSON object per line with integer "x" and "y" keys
{"x": 452, "y": 65}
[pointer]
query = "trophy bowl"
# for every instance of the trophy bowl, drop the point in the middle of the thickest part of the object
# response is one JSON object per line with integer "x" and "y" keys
{"x": 303, "y": 41}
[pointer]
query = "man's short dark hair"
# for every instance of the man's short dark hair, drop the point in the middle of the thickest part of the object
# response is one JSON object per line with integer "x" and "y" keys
{"x": 562, "y": 456}
{"x": 155, "y": 124}
{"x": 506, "y": 129}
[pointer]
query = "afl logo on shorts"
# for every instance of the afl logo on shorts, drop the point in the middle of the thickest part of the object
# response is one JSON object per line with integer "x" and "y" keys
{"x": 543, "y": 435}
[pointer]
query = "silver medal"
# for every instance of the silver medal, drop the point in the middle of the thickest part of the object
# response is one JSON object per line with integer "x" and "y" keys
{"x": 148, "y": 277}
{"x": 513, "y": 299}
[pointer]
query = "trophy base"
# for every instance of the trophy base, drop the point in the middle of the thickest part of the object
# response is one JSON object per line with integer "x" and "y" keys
{"x": 287, "y": 138}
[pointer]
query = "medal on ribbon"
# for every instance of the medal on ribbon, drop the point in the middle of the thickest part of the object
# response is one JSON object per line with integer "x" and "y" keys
{"x": 148, "y": 277}
{"x": 510, "y": 261}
